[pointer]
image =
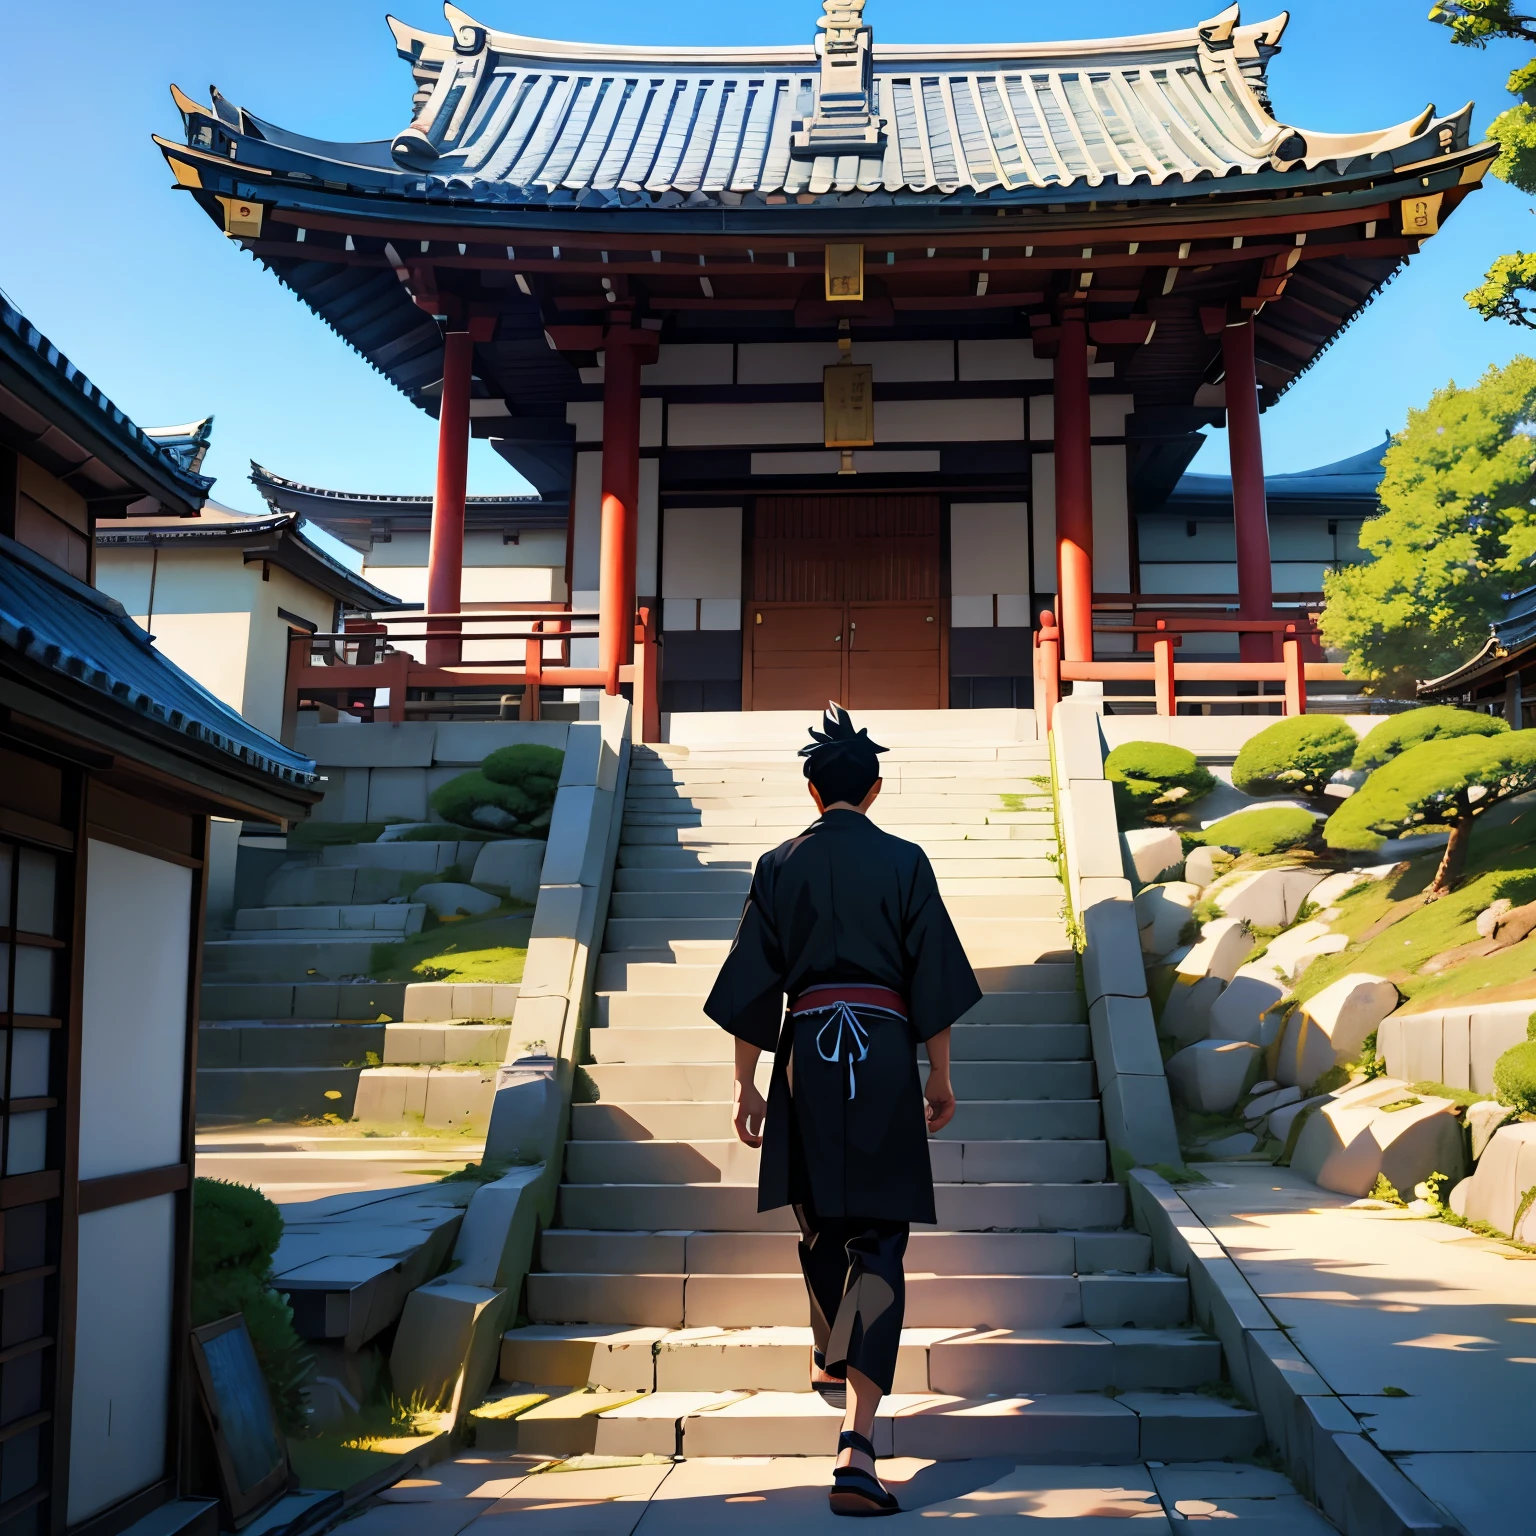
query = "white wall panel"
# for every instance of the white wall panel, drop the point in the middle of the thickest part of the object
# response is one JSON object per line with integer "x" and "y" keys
{"x": 587, "y": 521}
{"x": 1193, "y": 576}
{"x": 1111, "y": 525}
{"x": 949, "y": 421}
{"x": 1009, "y": 358}
{"x": 1042, "y": 482}
{"x": 701, "y": 554}
{"x": 649, "y": 528}
{"x": 713, "y": 363}
{"x": 138, "y": 916}
{"x": 989, "y": 547}
{"x": 738, "y": 424}
{"x": 587, "y": 417}
{"x": 719, "y": 613}
{"x": 801, "y": 362}
{"x": 1106, "y": 416}
{"x": 970, "y": 612}
{"x": 1013, "y": 610}
{"x": 866, "y": 461}
{"x": 121, "y": 1399}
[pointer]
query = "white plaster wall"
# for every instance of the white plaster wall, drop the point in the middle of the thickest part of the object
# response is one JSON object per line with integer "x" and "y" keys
{"x": 989, "y": 558}
{"x": 138, "y": 915}
{"x": 121, "y": 1399}
{"x": 949, "y": 421}
{"x": 1106, "y": 416}
{"x": 801, "y": 362}
{"x": 732, "y": 424}
{"x": 213, "y": 648}
{"x": 646, "y": 534}
{"x": 586, "y": 517}
{"x": 266, "y": 660}
{"x": 1111, "y": 521}
{"x": 587, "y": 417}
{"x": 701, "y": 574}
{"x": 127, "y": 575}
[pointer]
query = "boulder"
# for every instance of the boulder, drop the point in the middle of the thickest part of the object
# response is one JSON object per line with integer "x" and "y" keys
{"x": 1335, "y": 887}
{"x": 1262, "y": 1105}
{"x": 409, "y": 831}
{"x": 1153, "y": 850}
{"x": 1242, "y": 1012}
{"x": 447, "y": 898}
{"x": 511, "y": 867}
{"x": 1332, "y": 1027}
{"x": 1235, "y": 1145}
{"x": 1161, "y": 913}
{"x": 1488, "y": 918}
{"x": 1210, "y": 1075}
{"x": 1295, "y": 946}
{"x": 1186, "y": 1015}
{"x": 1483, "y": 1119}
{"x": 1269, "y": 898}
{"x": 1281, "y": 1120}
{"x": 1204, "y": 865}
{"x": 1380, "y": 1129}
{"x": 1505, "y": 1171}
{"x": 1223, "y": 945}
{"x": 1267, "y": 1086}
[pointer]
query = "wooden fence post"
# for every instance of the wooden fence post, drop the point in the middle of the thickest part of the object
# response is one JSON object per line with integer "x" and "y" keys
{"x": 533, "y": 672}
{"x": 647, "y": 701}
{"x": 1163, "y": 677}
{"x": 1048, "y": 665}
{"x": 1295, "y": 673}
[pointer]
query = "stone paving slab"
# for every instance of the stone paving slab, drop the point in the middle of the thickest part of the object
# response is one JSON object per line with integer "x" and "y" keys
{"x": 1489, "y": 1495}
{"x": 507, "y": 1495}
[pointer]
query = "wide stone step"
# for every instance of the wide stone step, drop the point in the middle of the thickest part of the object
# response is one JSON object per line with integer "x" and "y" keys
{"x": 1034, "y": 1010}
{"x": 444, "y": 1042}
{"x": 302, "y": 884}
{"x": 733, "y": 1207}
{"x": 363, "y": 1001}
{"x": 693, "y": 1101}
{"x": 978, "y": 859}
{"x": 276, "y": 1093}
{"x": 276, "y": 959}
{"x": 956, "y": 1362}
{"x": 416, "y": 858}
{"x": 929, "y": 1252}
{"x": 727, "y": 1160}
{"x": 396, "y": 917}
{"x": 661, "y": 856}
{"x": 1037, "y": 1006}
{"x": 659, "y": 932}
{"x": 280, "y": 1043}
{"x": 714, "y": 883}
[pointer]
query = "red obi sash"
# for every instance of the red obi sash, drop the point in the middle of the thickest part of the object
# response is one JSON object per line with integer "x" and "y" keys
{"x": 851, "y": 994}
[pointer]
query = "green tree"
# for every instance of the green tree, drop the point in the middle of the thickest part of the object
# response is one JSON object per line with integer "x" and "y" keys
{"x": 1504, "y": 292}
{"x": 1456, "y": 531}
{"x": 1447, "y": 783}
{"x": 1295, "y": 756}
{"x": 1398, "y": 733}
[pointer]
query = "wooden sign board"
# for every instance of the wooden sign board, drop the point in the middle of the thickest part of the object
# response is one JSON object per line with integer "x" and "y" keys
{"x": 1421, "y": 215}
{"x": 252, "y": 1454}
{"x": 848, "y": 405}
{"x": 845, "y": 272}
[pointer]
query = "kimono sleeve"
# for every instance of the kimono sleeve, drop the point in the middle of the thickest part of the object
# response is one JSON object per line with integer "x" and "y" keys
{"x": 940, "y": 982}
{"x": 747, "y": 999}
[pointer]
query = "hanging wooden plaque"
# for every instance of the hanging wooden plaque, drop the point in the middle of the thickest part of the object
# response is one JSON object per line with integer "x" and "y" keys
{"x": 848, "y": 405}
{"x": 845, "y": 272}
{"x": 1421, "y": 215}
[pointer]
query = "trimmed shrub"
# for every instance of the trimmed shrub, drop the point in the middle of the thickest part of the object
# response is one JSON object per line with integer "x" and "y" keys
{"x": 1295, "y": 756}
{"x": 512, "y": 792}
{"x": 1400, "y": 732}
{"x": 235, "y": 1232}
{"x": 1150, "y": 777}
{"x": 1514, "y": 1077}
{"x": 1266, "y": 829}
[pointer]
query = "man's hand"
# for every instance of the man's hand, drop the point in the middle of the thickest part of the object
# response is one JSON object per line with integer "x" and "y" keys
{"x": 940, "y": 1106}
{"x": 750, "y": 1113}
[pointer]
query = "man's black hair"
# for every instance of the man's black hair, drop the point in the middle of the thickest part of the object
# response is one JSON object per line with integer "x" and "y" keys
{"x": 840, "y": 762}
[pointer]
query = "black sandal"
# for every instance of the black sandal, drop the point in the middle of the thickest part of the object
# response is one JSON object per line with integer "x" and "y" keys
{"x": 855, "y": 1492}
{"x": 833, "y": 1393}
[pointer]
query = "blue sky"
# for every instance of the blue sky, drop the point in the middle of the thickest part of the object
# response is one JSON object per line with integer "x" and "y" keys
{"x": 134, "y": 283}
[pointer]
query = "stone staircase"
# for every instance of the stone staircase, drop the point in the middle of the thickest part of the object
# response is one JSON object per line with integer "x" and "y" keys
{"x": 1035, "y": 1325}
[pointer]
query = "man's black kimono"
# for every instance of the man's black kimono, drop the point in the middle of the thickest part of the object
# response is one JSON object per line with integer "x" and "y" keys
{"x": 844, "y": 902}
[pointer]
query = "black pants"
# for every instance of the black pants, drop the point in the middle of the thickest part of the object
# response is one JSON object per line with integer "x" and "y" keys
{"x": 858, "y": 1291}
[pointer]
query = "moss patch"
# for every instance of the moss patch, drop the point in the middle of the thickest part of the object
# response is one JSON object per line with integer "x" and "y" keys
{"x": 482, "y": 949}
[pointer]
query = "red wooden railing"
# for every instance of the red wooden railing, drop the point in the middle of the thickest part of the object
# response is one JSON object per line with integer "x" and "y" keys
{"x": 1291, "y": 638}
{"x": 378, "y": 651}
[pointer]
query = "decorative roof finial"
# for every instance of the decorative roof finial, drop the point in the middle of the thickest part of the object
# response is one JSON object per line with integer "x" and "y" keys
{"x": 843, "y": 122}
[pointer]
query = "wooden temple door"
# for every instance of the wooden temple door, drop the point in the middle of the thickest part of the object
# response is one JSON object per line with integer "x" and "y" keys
{"x": 845, "y": 603}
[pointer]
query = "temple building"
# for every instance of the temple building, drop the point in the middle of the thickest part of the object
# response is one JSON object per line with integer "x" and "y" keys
{"x": 850, "y": 359}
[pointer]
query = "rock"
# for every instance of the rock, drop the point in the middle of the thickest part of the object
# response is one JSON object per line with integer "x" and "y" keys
{"x": 1505, "y": 1171}
{"x": 1223, "y": 945}
{"x": 511, "y": 867}
{"x": 1483, "y": 1119}
{"x": 410, "y": 831}
{"x": 1289, "y": 953}
{"x": 1380, "y": 1129}
{"x": 1153, "y": 850}
{"x": 1186, "y": 1016}
{"x": 1488, "y": 918}
{"x": 1161, "y": 913}
{"x": 1281, "y": 1120}
{"x": 1335, "y": 887}
{"x": 1269, "y": 898}
{"x": 1267, "y": 1086}
{"x": 1332, "y": 1027}
{"x": 1203, "y": 865}
{"x": 1236, "y": 1145}
{"x": 1242, "y": 1012}
{"x": 1210, "y": 1075}
{"x": 1261, "y": 1105}
{"x": 447, "y": 898}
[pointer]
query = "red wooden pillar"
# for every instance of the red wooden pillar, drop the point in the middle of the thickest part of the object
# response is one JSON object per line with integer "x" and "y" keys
{"x": 445, "y": 559}
{"x": 1249, "y": 509}
{"x": 1074, "y": 491}
{"x": 626, "y": 351}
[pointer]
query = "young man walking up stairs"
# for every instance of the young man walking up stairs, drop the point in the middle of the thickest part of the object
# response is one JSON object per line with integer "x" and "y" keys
{"x": 847, "y": 922}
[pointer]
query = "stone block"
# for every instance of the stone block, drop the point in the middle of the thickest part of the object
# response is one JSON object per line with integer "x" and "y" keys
{"x": 1494, "y": 1192}
{"x": 466, "y": 743}
{"x": 390, "y": 1093}
{"x": 613, "y": 1357}
{"x": 1079, "y": 746}
{"x": 1210, "y": 1076}
{"x": 1186, "y": 1014}
{"x": 1269, "y": 898}
{"x": 1377, "y": 1497}
{"x": 1281, "y": 1120}
{"x": 527, "y": 1103}
{"x": 1331, "y": 1028}
{"x": 1100, "y": 888}
{"x": 1161, "y": 913}
{"x": 1265, "y": 1104}
{"x": 397, "y": 794}
{"x": 472, "y": 1000}
{"x": 1152, "y": 851}
{"x": 1124, "y": 1037}
{"x": 583, "y": 755}
{"x": 1093, "y": 841}
{"x": 495, "y": 1241}
{"x": 428, "y": 1002}
{"x": 407, "y": 745}
{"x": 538, "y": 1027}
{"x": 511, "y": 867}
{"x": 1291, "y": 952}
{"x": 346, "y": 795}
{"x": 447, "y": 898}
{"x": 550, "y": 967}
{"x": 1204, "y": 865}
{"x": 578, "y": 841}
{"x": 1379, "y": 1131}
{"x": 559, "y": 913}
{"x": 458, "y": 1097}
{"x": 1281, "y": 1374}
{"x": 1138, "y": 1118}
{"x": 1223, "y": 945}
{"x": 1112, "y": 952}
{"x": 1483, "y": 1119}
{"x": 1494, "y": 1028}
{"x": 443, "y": 1327}
{"x": 1244, "y": 1011}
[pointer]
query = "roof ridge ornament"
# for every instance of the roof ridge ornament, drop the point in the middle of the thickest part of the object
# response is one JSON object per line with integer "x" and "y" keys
{"x": 843, "y": 121}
